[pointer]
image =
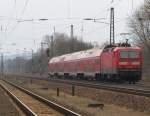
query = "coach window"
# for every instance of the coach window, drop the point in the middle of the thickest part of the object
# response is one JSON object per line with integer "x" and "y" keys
{"x": 106, "y": 50}
{"x": 97, "y": 61}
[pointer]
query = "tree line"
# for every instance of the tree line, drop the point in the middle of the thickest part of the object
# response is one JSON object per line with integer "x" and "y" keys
{"x": 54, "y": 45}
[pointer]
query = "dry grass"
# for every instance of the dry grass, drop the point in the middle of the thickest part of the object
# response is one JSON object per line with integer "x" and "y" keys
{"x": 146, "y": 78}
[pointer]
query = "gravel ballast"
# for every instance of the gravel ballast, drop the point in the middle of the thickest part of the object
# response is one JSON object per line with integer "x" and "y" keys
{"x": 7, "y": 107}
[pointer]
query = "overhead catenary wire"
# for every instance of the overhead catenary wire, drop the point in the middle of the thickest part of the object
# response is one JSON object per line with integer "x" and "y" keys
{"x": 50, "y": 19}
{"x": 23, "y": 11}
{"x": 26, "y": 3}
{"x": 107, "y": 8}
{"x": 10, "y": 15}
{"x": 97, "y": 29}
{"x": 24, "y": 8}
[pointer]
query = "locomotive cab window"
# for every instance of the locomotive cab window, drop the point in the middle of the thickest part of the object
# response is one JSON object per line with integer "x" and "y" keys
{"x": 133, "y": 54}
{"x": 123, "y": 54}
{"x": 129, "y": 54}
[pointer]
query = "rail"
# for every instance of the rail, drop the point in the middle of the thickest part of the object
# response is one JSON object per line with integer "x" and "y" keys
{"x": 21, "y": 105}
{"x": 53, "y": 105}
{"x": 140, "y": 92}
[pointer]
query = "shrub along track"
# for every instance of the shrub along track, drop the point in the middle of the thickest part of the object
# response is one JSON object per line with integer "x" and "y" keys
{"x": 36, "y": 105}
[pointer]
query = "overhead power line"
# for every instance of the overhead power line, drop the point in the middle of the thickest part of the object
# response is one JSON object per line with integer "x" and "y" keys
{"x": 23, "y": 11}
{"x": 107, "y": 8}
{"x": 13, "y": 11}
{"x": 24, "y": 8}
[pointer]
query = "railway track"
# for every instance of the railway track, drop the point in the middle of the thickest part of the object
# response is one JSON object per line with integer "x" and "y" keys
{"x": 129, "y": 90}
{"x": 143, "y": 85}
{"x": 137, "y": 89}
{"x": 7, "y": 106}
{"x": 33, "y": 104}
{"x": 138, "y": 85}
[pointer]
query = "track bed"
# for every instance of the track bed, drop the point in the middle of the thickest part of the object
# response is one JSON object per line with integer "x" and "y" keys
{"x": 7, "y": 106}
{"x": 37, "y": 106}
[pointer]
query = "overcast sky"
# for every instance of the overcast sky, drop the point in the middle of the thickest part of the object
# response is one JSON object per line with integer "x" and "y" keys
{"x": 61, "y": 14}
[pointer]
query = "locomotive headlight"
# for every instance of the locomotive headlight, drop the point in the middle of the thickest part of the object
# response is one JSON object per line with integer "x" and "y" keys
{"x": 136, "y": 63}
{"x": 123, "y": 63}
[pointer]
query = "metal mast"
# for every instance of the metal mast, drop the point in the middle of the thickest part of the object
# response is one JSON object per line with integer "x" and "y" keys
{"x": 112, "y": 29}
{"x": 2, "y": 66}
{"x": 72, "y": 39}
{"x": 71, "y": 32}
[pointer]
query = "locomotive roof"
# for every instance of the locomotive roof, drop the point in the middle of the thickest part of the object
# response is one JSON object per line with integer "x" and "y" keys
{"x": 116, "y": 48}
{"x": 78, "y": 55}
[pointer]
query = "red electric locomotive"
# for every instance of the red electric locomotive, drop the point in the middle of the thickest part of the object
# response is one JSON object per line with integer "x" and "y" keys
{"x": 110, "y": 63}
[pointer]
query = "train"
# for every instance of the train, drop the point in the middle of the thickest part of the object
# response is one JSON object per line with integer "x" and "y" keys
{"x": 118, "y": 62}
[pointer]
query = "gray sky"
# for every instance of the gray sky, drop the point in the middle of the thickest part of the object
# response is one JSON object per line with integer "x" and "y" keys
{"x": 61, "y": 14}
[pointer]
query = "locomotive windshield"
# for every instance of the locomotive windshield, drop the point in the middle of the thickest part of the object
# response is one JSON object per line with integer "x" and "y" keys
{"x": 124, "y": 54}
{"x": 129, "y": 54}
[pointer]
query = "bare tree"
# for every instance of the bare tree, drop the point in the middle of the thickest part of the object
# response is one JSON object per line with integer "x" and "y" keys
{"x": 58, "y": 45}
{"x": 62, "y": 44}
{"x": 139, "y": 25}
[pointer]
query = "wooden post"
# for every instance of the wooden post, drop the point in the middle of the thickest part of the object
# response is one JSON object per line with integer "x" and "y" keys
{"x": 73, "y": 90}
{"x": 31, "y": 81}
{"x": 57, "y": 91}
